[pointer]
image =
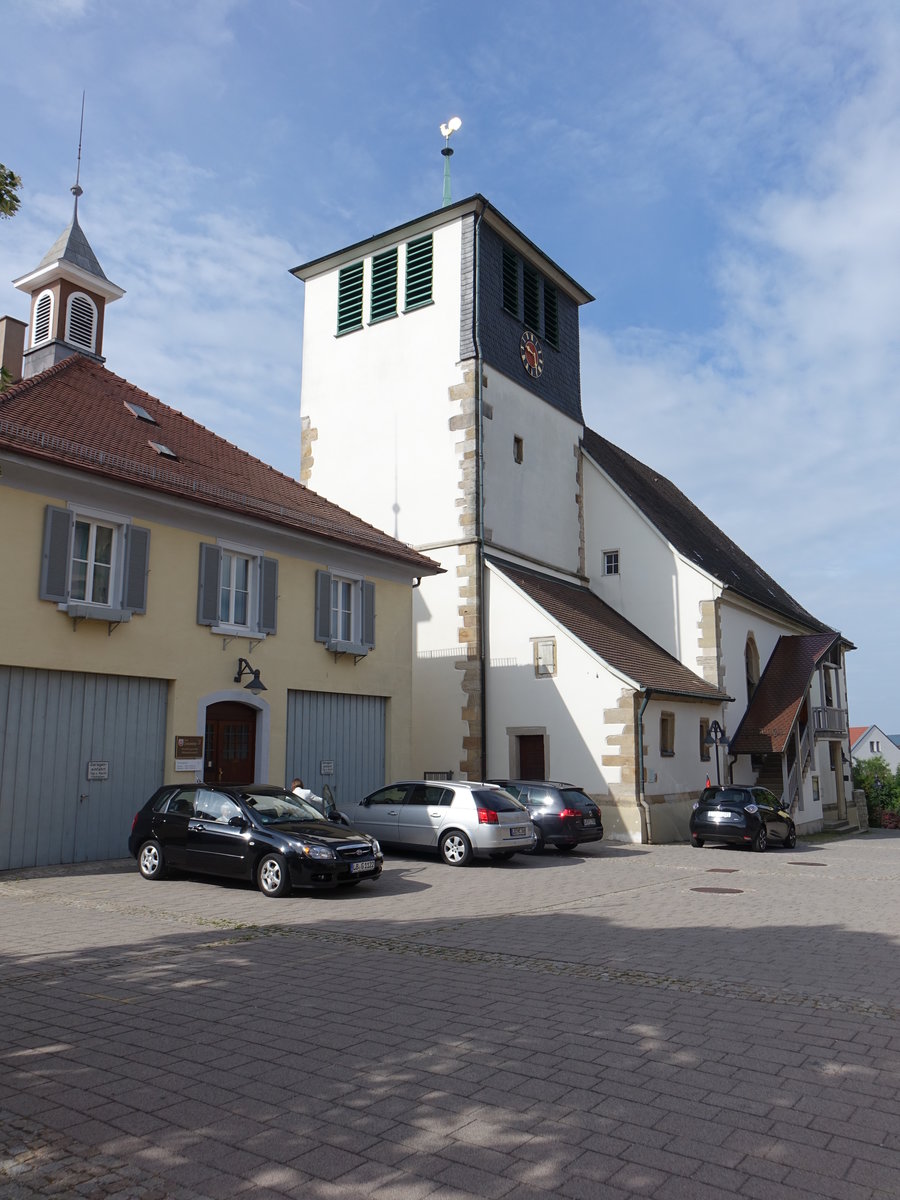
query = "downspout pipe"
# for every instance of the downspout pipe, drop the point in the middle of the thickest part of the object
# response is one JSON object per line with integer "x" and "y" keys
{"x": 642, "y": 800}
{"x": 479, "y": 501}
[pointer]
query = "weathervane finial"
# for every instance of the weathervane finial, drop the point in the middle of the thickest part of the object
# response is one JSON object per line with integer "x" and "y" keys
{"x": 77, "y": 190}
{"x": 450, "y": 127}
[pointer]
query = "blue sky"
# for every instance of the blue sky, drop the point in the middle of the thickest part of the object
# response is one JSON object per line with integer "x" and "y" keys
{"x": 723, "y": 177}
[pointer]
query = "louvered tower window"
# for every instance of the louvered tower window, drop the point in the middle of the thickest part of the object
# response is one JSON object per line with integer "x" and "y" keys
{"x": 384, "y": 285}
{"x": 551, "y": 314}
{"x": 43, "y": 315}
{"x": 531, "y": 290}
{"x": 510, "y": 282}
{"x": 419, "y": 271}
{"x": 350, "y": 298}
{"x": 81, "y": 321}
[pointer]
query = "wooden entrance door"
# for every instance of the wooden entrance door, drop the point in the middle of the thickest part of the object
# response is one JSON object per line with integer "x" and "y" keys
{"x": 230, "y": 743}
{"x": 531, "y": 756}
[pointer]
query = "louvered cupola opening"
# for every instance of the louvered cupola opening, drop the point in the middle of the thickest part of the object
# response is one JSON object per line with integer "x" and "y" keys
{"x": 43, "y": 318}
{"x": 81, "y": 322}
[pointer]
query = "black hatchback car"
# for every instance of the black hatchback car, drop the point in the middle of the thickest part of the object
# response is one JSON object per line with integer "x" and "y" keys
{"x": 257, "y": 833}
{"x": 562, "y": 814}
{"x": 743, "y": 816}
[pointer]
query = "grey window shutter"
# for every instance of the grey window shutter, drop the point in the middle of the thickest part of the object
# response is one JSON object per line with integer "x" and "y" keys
{"x": 268, "y": 594}
{"x": 137, "y": 563}
{"x": 55, "y": 560}
{"x": 323, "y": 606}
{"x": 208, "y": 586}
{"x": 368, "y": 614}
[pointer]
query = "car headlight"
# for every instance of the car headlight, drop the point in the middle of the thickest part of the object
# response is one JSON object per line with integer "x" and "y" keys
{"x": 376, "y": 847}
{"x": 311, "y": 850}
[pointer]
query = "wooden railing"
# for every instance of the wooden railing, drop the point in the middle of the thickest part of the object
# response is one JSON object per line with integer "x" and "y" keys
{"x": 830, "y": 721}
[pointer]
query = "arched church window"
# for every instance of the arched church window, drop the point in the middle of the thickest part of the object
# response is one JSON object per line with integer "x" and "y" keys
{"x": 751, "y": 665}
{"x": 81, "y": 321}
{"x": 43, "y": 318}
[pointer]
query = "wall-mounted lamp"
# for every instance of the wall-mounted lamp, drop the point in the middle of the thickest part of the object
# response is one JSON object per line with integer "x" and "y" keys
{"x": 716, "y": 737}
{"x": 255, "y": 684}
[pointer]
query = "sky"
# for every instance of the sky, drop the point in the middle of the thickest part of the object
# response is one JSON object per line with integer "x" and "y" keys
{"x": 723, "y": 177}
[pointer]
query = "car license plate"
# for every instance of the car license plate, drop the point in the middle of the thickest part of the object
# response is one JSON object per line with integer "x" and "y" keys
{"x": 589, "y": 821}
{"x": 718, "y": 817}
{"x": 367, "y": 865}
{"x": 518, "y": 831}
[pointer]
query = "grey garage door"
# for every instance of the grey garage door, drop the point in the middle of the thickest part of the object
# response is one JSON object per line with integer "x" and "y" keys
{"x": 344, "y": 731}
{"x": 56, "y": 729}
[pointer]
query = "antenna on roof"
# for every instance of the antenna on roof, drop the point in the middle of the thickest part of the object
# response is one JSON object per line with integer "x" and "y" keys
{"x": 78, "y": 190}
{"x": 451, "y": 127}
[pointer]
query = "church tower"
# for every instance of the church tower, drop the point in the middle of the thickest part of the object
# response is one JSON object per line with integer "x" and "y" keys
{"x": 441, "y": 400}
{"x": 69, "y": 293}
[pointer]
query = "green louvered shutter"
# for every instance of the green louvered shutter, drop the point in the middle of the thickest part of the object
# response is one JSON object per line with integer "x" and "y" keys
{"x": 551, "y": 314}
{"x": 419, "y": 271}
{"x": 510, "y": 282}
{"x": 384, "y": 285}
{"x": 350, "y": 298}
{"x": 531, "y": 290}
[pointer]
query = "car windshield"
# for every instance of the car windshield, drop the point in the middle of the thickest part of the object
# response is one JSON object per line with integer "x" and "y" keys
{"x": 273, "y": 807}
{"x": 726, "y": 795}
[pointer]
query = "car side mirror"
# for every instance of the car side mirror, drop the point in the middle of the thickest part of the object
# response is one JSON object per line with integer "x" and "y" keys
{"x": 238, "y": 822}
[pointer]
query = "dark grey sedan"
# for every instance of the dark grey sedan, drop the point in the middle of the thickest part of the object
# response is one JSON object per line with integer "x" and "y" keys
{"x": 741, "y": 816}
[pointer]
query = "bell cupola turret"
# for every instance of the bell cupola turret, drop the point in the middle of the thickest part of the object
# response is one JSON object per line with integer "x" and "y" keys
{"x": 69, "y": 293}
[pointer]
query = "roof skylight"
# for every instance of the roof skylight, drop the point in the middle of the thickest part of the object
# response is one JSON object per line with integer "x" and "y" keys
{"x": 138, "y": 410}
{"x": 162, "y": 449}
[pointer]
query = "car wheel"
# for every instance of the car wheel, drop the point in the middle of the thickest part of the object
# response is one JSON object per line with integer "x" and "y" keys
{"x": 151, "y": 862}
{"x": 761, "y": 841}
{"x": 791, "y": 840}
{"x": 272, "y": 875}
{"x": 455, "y": 849}
{"x": 567, "y": 846}
{"x": 538, "y": 847}
{"x": 697, "y": 843}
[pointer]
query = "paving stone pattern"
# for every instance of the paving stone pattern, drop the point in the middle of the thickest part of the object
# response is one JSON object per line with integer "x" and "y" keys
{"x": 599, "y": 1025}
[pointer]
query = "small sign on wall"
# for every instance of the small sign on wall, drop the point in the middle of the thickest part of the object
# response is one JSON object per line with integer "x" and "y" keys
{"x": 189, "y": 753}
{"x": 97, "y": 770}
{"x": 326, "y": 766}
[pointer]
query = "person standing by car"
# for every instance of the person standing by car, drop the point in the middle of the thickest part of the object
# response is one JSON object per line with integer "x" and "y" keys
{"x": 306, "y": 794}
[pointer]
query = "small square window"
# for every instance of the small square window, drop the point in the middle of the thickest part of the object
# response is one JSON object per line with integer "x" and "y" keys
{"x": 667, "y": 734}
{"x": 518, "y": 450}
{"x": 610, "y": 562}
{"x": 544, "y": 656}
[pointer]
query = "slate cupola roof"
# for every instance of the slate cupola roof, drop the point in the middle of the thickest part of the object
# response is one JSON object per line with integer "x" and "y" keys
{"x": 691, "y": 532}
{"x": 613, "y": 639}
{"x": 75, "y": 414}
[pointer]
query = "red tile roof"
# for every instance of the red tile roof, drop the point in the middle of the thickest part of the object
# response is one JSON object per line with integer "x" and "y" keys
{"x": 619, "y": 643}
{"x": 74, "y": 414}
{"x": 771, "y": 713}
{"x": 857, "y": 732}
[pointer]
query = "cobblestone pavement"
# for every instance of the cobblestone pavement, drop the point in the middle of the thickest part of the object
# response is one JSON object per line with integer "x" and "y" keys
{"x": 629, "y": 1021}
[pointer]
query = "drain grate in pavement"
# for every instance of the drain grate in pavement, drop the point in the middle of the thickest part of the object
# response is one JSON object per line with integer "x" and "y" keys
{"x": 722, "y": 871}
{"x": 721, "y": 891}
{"x": 794, "y": 863}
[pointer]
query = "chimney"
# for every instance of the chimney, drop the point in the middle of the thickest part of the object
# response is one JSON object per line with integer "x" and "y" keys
{"x": 12, "y": 346}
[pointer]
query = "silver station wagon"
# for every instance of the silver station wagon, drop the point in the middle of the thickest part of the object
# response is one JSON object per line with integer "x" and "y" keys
{"x": 456, "y": 818}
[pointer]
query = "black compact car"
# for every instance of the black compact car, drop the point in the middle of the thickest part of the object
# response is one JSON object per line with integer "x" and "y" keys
{"x": 261, "y": 833}
{"x": 563, "y": 815}
{"x": 743, "y": 816}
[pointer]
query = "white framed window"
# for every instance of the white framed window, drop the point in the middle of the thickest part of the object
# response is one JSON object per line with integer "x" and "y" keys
{"x": 518, "y": 450}
{"x": 81, "y": 321}
{"x": 237, "y": 590}
{"x": 235, "y": 584}
{"x": 610, "y": 562}
{"x": 704, "y": 734}
{"x": 544, "y": 656}
{"x": 345, "y": 612}
{"x": 94, "y": 564}
{"x": 93, "y": 561}
{"x": 42, "y": 324}
{"x": 875, "y": 747}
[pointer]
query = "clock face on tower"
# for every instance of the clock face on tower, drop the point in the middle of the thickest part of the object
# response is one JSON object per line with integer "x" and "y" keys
{"x": 531, "y": 353}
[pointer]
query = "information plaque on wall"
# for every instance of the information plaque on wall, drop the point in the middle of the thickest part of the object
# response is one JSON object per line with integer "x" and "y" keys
{"x": 189, "y": 753}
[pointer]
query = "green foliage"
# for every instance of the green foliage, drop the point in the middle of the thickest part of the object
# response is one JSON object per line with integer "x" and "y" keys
{"x": 5, "y": 379}
{"x": 881, "y": 786}
{"x": 9, "y": 187}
